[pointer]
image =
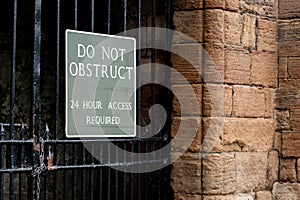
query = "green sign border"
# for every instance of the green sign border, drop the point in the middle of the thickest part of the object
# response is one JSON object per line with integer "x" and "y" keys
{"x": 66, "y": 86}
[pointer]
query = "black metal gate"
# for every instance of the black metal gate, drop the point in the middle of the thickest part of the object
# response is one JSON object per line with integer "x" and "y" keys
{"x": 32, "y": 102}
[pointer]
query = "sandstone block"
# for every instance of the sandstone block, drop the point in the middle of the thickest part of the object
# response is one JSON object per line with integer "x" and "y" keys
{"x": 286, "y": 191}
{"x": 186, "y": 134}
{"x": 294, "y": 68}
{"x": 251, "y": 171}
{"x": 264, "y": 8}
{"x": 216, "y": 100}
{"x": 289, "y": 37}
{"x": 187, "y": 60}
{"x": 291, "y": 144}
{"x": 214, "y": 26}
{"x": 186, "y": 184}
{"x": 187, "y": 4}
{"x": 287, "y": 96}
{"x": 189, "y": 23}
{"x": 183, "y": 196}
{"x": 282, "y": 118}
{"x": 282, "y": 68}
{"x": 255, "y": 134}
{"x": 289, "y": 9}
{"x": 269, "y": 102}
{"x": 248, "y": 31}
{"x": 248, "y": 102}
{"x": 232, "y": 5}
{"x": 230, "y": 197}
{"x": 298, "y": 169}
{"x": 186, "y": 168}
{"x": 188, "y": 101}
{"x": 237, "y": 66}
{"x": 212, "y": 134}
{"x": 266, "y": 34}
{"x": 287, "y": 170}
{"x": 264, "y": 69}
{"x": 232, "y": 28}
{"x": 295, "y": 119}
{"x": 272, "y": 171}
{"x": 214, "y": 63}
{"x": 215, "y": 4}
{"x": 264, "y": 195}
{"x": 219, "y": 174}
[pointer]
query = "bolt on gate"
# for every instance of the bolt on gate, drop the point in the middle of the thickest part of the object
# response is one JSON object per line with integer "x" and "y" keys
{"x": 37, "y": 161}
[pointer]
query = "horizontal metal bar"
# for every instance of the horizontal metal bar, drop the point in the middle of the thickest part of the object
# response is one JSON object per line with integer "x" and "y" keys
{"x": 108, "y": 140}
{"x": 15, "y": 125}
{"x": 107, "y": 165}
{"x": 11, "y": 170}
{"x": 15, "y": 141}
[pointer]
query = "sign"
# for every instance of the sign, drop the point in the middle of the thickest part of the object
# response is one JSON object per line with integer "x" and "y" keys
{"x": 100, "y": 85}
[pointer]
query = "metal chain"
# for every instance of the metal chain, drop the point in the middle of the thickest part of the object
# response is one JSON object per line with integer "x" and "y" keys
{"x": 42, "y": 168}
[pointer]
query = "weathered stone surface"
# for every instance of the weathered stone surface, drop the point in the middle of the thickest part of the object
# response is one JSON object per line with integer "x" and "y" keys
{"x": 251, "y": 171}
{"x": 186, "y": 184}
{"x": 269, "y": 102}
{"x": 289, "y": 37}
{"x": 188, "y": 100}
{"x": 298, "y": 169}
{"x": 219, "y": 174}
{"x": 294, "y": 68}
{"x": 215, "y": 103}
{"x": 232, "y": 5}
{"x": 282, "y": 68}
{"x": 272, "y": 171}
{"x": 249, "y": 134}
{"x": 264, "y": 195}
{"x": 212, "y": 134}
{"x": 214, "y": 4}
{"x": 291, "y": 144}
{"x": 264, "y": 69}
{"x": 248, "y": 101}
{"x": 248, "y": 31}
{"x": 214, "y": 26}
{"x": 266, "y": 34}
{"x": 232, "y": 28}
{"x": 189, "y": 23}
{"x": 186, "y": 168}
{"x": 260, "y": 7}
{"x": 295, "y": 119}
{"x": 186, "y": 134}
{"x": 289, "y": 9}
{"x": 187, "y": 4}
{"x": 282, "y": 118}
{"x": 237, "y": 66}
{"x": 230, "y": 197}
{"x": 286, "y": 191}
{"x": 186, "y": 60}
{"x": 278, "y": 142}
{"x": 287, "y": 170}
{"x": 287, "y": 96}
{"x": 183, "y": 196}
{"x": 214, "y": 63}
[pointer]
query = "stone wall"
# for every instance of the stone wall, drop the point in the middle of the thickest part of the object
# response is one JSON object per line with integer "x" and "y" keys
{"x": 287, "y": 110}
{"x": 240, "y": 37}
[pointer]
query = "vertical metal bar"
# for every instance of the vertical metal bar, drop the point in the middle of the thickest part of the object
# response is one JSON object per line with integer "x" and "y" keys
{"x": 124, "y": 174}
{"x": 109, "y": 172}
{"x": 74, "y": 172}
{"x": 22, "y": 134}
{"x": 12, "y": 102}
{"x": 92, "y": 173}
{"x": 75, "y": 14}
{"x": 92, "y": 15}
{"x": 108, "y": 16}
{"x": 57, "y": 88}
{"x": 36, "y": 81}
{"x": 101, "y": 174}
{"x": 46, "y": 178}
{"x": 117, "y": 177}
{"x": 125, "y": 16}
{"x": 83, "y": 173}
{"x": 2, "y": 135}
